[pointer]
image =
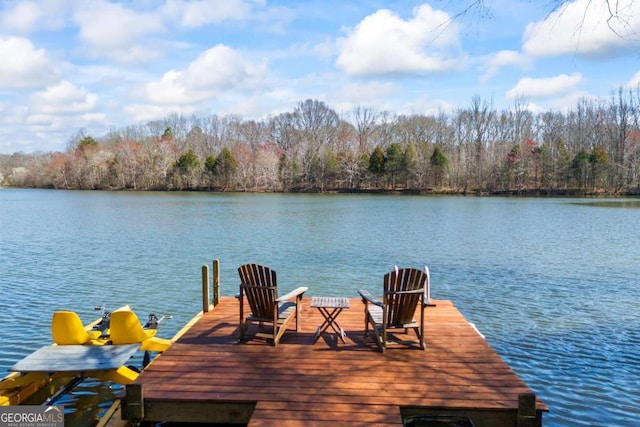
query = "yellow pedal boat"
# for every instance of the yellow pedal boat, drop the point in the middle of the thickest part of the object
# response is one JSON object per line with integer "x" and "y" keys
{"x": 73, "y": 354}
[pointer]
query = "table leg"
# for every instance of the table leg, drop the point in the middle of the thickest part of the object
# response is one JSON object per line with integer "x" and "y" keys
{"x": 330, "y": 321}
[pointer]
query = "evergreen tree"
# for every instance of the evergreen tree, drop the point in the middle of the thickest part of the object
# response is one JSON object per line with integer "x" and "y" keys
{"x": 376, "y": 164}
{"x": 226, "y": 166}
{"x": 439, "y": 163}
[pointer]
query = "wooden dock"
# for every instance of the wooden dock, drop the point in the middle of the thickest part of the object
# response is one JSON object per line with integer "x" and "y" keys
{"x": 208, "y": 377}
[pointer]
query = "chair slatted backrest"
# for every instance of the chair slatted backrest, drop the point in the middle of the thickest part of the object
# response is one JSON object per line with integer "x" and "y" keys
{"x": 258, "y": 284}
{"x": 399, "y": 301}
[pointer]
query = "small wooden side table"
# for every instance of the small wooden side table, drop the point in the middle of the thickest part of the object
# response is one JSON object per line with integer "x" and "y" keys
{"x": 330, "y": 308}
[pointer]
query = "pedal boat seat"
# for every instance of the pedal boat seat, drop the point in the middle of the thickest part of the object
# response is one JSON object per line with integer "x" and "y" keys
{"x": 67, "y": 329}
{"x": 125, "y": 328}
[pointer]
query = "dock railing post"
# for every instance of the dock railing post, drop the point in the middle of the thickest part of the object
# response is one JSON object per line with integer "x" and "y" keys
{"x": 216, "y": 282}
{"x": 205, "y": 289}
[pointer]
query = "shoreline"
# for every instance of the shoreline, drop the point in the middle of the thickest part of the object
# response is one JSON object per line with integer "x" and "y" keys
{"x": 569, "y": 192}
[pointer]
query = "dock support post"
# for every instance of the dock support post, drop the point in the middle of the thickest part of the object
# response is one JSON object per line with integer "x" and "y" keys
{"x": 205, "y": 289}
{"x": 527, "y": 411}
{"x": 133, "y": 403}
{"x": 216, "y": 282}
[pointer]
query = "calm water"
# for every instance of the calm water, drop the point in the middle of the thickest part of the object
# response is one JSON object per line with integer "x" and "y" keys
{"x": 551, "y": 283}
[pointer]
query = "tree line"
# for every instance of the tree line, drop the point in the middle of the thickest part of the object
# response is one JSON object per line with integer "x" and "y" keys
{"x": 593, "y": 148}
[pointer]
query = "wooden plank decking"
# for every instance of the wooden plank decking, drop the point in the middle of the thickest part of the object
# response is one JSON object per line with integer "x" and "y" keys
{"x": 208, "y": 377}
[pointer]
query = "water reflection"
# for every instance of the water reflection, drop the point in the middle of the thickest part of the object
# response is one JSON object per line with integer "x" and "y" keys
{"x": 612, "y": 203}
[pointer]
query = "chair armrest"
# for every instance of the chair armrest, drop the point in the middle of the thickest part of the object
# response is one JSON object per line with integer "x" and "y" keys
{"x": 368, "y": 298}
{"x": 296, "y": 293}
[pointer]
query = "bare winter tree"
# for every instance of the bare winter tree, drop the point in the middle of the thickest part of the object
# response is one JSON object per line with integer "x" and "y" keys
{"x": 594, "y": 147}
{"x": 365, "y": 120}
{"x": 621, "y": 110}
{"x": 317, "y": 122}
{"x": 482, "y": 116}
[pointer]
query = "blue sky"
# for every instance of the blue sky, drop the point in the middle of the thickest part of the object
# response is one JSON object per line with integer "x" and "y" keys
{"x": 71, "y": 66}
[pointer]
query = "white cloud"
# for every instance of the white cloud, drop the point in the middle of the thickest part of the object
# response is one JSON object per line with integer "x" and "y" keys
{"x": 218, "y": 74}
{"x": 24, "y": 17}
{"x": 251, "y": 107}
{"x": 324, "y": 49}
{"x": 569, "y": 102}
{"x": 193, "y": 14}
{"x": 384, "y": 43}
{"x": 49, "y": 116}
{"x": 427, "y": 106}
{"x": 148, "y": 112}
{"x": 23, "y": 65}
{"x": 540, "y": 88}
{"x": 11, "y": 116}
{"x": 60, "y": 127}
{"x": 368, "y": 93}
{"x": 634, "y": 83}
{"x": 585, "y": 27}
{"x": 110, "y": 29}
{"x": 71, "y": 64}
{"x": 501, "y": 59}
{"x": 217, "y": 70}
{"x": 63, "y": 99}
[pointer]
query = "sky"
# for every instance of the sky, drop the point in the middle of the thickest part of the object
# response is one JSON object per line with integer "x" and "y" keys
{"x": 87, "y": 67}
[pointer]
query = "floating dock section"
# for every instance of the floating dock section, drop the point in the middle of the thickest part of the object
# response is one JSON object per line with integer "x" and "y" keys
{"x": 208, "y": 377}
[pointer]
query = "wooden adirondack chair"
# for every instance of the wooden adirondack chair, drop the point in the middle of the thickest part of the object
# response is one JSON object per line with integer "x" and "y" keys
{"x": 258, "y": 284}
{"x": 405, "y": 290}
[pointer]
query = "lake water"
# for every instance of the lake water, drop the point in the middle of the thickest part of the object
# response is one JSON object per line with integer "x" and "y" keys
{"x": 552, "y": 283}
